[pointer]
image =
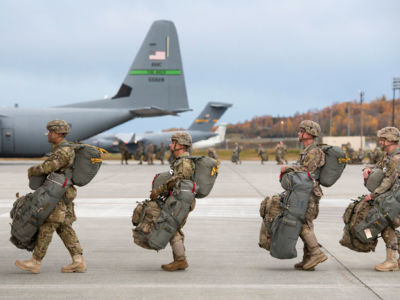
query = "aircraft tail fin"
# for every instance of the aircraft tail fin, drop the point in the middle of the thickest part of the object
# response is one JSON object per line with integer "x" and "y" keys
{"x": 221, "y": 130}
{"x": 155, "y": 83}
{"x": 209, "y": 116}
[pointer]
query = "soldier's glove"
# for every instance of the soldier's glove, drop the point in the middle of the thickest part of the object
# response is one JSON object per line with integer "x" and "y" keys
{"x": 153, "y": 195}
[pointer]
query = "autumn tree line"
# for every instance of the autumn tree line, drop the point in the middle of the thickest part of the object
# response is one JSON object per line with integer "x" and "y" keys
{"x": 334, "y": 120}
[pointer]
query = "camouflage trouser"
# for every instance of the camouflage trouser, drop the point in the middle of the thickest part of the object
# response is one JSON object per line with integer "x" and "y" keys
{"x": 60, "y": 220}
{"x": 176, "y": 242}
{"x": 390, "y": 237}
{"x": 311, "y": 213}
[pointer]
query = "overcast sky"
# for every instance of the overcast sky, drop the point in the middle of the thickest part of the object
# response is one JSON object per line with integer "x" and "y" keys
{"x": 265, "y": 57}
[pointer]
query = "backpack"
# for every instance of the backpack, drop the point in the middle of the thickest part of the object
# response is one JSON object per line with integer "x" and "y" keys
{"x": 87, "y": 163}
{"x": 335, "y": 162}
{"x": 205, "y": 174}
{"x": 374, "y": 179}
{"x": 354, "y": 214}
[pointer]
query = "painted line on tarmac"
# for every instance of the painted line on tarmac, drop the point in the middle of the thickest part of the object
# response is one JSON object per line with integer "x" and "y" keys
{"x": 208, "y": 207}
{"x": 178, "y": 286}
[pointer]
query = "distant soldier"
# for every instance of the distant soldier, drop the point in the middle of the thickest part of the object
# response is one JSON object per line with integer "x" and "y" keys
{"x": 262, "y": 154}
{"x": 351, "y": 154}
{"x": 150, "y": 152}
{"x": 389, "y": 142}
{"x": 375, "y": 156}
{"x": 212, "y": 153}
{"x": 280, "y": 152}
{"x": 360, "y": 155}
{"x": 161, "y": 152}
{"x": 183, "y": 168}
{"x": 236, "y": 154}
{"x": 125, "y": 155}
{"x": 61, "y": 219}
{"x": 311, "y": 159}
{"x": 139, "y": 153}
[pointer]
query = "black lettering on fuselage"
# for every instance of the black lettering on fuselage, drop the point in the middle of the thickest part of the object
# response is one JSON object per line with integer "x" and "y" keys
{"x": 156, "y": 64}
{"x": 156, "y": 79}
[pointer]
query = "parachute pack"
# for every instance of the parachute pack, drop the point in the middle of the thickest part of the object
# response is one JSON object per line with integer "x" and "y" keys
{"x": 205, "y": 174}
{"x": 354, "y": 214}
{"x": 157, "y": 221}
{"x": 287, "y": 225}
{"x": 335, "y": 162}
{"x": 29, "y": 212}
{"x": 87, "y": 163}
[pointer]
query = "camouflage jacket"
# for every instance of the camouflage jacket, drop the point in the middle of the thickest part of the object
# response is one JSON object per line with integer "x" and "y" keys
{"x": 60, "y": 159}
{"x": 311, "y": 158}
{"x": 280, "y": 149}
{"x": 391, "y": 168}
{"x": 183, "y": 168}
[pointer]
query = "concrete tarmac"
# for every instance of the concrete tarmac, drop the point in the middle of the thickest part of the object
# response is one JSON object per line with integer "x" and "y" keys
{"x": 221, "y": 237}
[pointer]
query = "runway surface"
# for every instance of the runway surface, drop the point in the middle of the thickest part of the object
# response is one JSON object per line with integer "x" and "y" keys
{"x": 221, "y": 238}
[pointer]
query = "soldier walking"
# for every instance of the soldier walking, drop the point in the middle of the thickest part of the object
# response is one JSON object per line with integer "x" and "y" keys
{"x": 161, "y": 152}
{"x": 139, "y": 153}
{"x": 150, "y": 151}
{"x": 125, "y": 155}
{"x": 61, "y": 219}
{"x": 311, "y": 159}
{"x": 389, "y": 142}
{"x": 280, "y": 152}
{"x": 183, "y": 168}
{"x": 262, "y": 154}
{"x": 236, "y": 154}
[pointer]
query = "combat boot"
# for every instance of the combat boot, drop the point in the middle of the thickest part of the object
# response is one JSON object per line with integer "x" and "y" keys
{"x": 32, "y": 265}
{"x": 390, "y": 264}
{"x": 78, "y": 265}
{"x": 316, "y": 256}
{"x": 176, "y": 265}
{"x": 306, "y": 256}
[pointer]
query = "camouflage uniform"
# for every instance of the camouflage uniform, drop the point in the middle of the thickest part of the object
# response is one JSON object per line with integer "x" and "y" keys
{"x": 262, "y": 154}
{"x": 161, "y": 153}
{"x": 139, "y": 153}
{"x": 391, "y": 168}
{"x": 183, "y": 168}
{"x": 124, "y": 153}
{"x": 150, "y": 150}
{"x": 280, "y": 151}
{"x": 311, "y": 159}
{"x": 62, "y": 217}
{"x": 236, "y": 154}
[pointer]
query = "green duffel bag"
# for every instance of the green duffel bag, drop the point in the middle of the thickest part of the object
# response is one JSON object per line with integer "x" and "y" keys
{"x": 29, "y": 212}
{"x": 287, "y": 225}
{"x": 36, "y": 181}
{"x": 155, "y": 234}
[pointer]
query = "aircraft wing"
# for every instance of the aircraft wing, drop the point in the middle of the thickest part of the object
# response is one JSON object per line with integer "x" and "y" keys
{"x": 153, "y": 111}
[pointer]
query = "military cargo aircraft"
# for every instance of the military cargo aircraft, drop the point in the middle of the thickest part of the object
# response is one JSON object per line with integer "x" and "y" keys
{"x": 154, "y": 86}
{"x": 199, "y": 130}
{"x": 213, "y": 141}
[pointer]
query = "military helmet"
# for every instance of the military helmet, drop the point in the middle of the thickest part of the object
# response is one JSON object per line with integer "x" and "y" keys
{"x": 392, "y": 134}
{"x": 182, "y": 138}
{"x": 311, "y": 127}
{"x": 58, "y": 126}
